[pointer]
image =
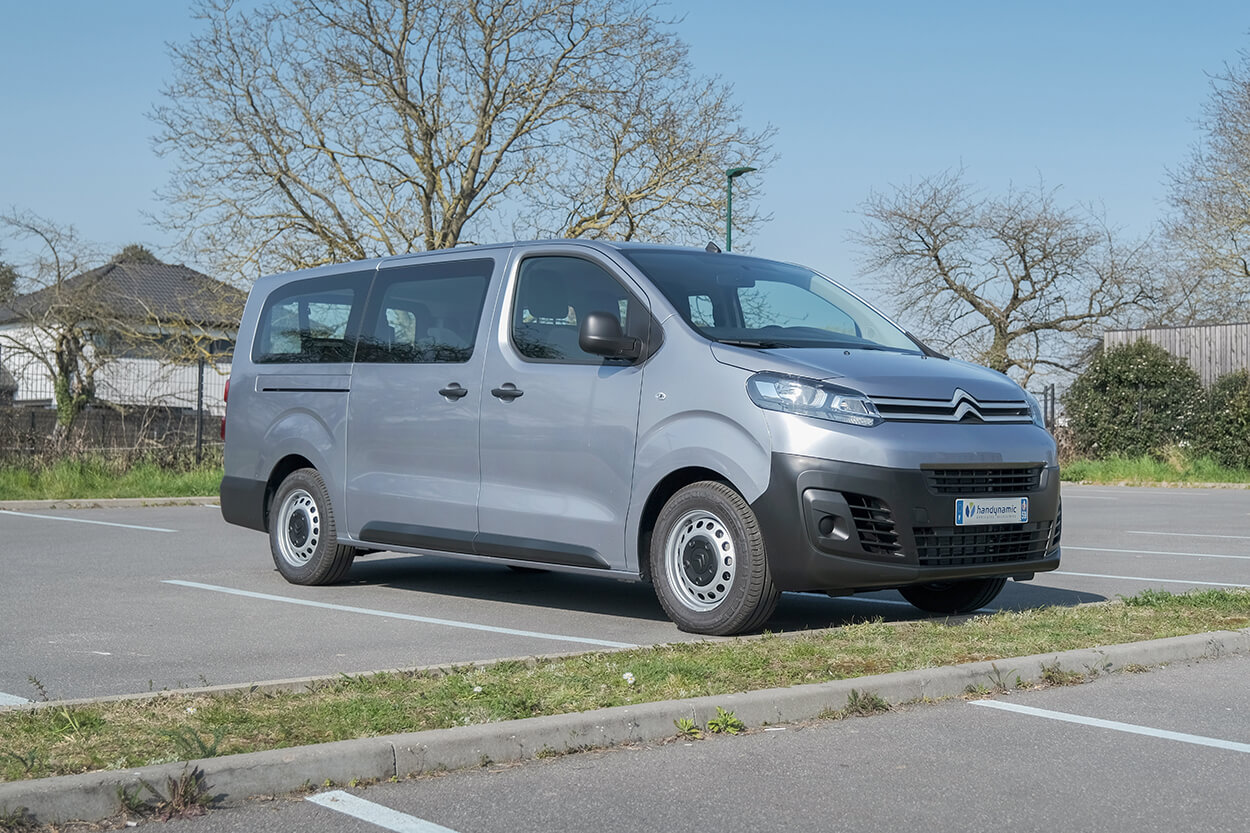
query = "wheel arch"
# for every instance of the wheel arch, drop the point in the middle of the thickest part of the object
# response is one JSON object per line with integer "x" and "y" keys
{"x": 281, "y": 470}
{"x": 668, "y": 486}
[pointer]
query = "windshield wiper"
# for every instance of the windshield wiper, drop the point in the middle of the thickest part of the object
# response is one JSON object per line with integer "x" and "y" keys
{"x": 761, "y": 345}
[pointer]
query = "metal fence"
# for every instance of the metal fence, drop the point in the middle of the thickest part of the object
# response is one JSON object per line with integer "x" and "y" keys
{"x": 1212, "y": 350}
{"x": 142, "y": 406}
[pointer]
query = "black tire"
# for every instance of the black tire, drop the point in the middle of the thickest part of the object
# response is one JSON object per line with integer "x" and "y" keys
{"x": 954, "y": 597}
{"x": 302, "y": 534}
{"x": 708, "y": 562}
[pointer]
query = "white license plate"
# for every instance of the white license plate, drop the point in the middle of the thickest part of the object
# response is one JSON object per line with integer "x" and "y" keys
{"x": 1002, "y": 510}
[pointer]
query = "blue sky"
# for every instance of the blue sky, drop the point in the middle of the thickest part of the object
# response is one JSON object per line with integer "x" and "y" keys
{"x": 1098, "y": 98}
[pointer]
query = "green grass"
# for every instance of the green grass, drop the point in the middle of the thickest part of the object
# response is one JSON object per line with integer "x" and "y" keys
{"x": 57, "y": 740}
{"x": 98, "y": 478}
{"x": 1147, "y": 470}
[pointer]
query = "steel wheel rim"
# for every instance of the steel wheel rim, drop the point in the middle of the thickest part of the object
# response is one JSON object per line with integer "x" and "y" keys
{"x": 299, "y": 528}
{"x": 699, "y": 560}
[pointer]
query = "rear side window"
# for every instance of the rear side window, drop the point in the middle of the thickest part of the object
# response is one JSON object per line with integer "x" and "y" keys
{"x": 310, "y": 322}
{"x": 425, "y": 313}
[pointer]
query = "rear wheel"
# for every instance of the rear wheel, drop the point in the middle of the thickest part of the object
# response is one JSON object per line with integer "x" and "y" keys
{"x": 954, "y": 597}
{"x": 708, "y": 562}
{"x": 302, "y": 534}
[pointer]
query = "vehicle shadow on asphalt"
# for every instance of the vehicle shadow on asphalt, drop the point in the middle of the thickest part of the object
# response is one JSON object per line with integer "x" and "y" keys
{"x": 590, "y": 594}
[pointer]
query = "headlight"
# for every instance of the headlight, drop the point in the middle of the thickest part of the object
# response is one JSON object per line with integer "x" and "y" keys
{"x": 809, "y": 397}
{"x": 1035, "y": 410}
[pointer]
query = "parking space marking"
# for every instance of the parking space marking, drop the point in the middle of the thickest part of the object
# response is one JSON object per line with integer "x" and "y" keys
{"x": 1157, "y": 552}
{"x": 12, "y": 700}
{"x": 84, "y": 521}
{"x": 603, "y": 643}
{"x": 1152, "y": 580}
{"x": 1187, "y": 534}
{"x": 1131, "y": 728}
{"x": 375, "y": 814}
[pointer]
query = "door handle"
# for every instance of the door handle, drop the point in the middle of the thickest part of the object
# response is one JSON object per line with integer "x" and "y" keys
{"x": 454, "y": 391}
{"x": 507, "y": 393}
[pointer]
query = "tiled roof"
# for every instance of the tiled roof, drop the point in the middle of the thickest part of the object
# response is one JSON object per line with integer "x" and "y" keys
{"x": 141, "y": 292}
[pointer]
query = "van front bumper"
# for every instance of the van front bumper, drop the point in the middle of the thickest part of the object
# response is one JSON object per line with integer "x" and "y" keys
{"x": 846, "y": 527}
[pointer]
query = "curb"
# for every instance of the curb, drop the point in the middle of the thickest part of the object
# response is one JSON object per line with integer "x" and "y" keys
{"x": 235, "y": 778}
{"x": 107, "y": 503}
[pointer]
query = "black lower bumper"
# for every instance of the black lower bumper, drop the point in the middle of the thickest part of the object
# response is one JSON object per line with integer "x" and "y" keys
{"x": 243, "y": 502}
{"x": 843, "y": 527}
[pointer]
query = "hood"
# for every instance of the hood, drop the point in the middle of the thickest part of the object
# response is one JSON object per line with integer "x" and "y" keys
{"x": 883, "y": 373}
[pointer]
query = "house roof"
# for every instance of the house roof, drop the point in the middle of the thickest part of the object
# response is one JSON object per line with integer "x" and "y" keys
{"x": 138, "y": 292}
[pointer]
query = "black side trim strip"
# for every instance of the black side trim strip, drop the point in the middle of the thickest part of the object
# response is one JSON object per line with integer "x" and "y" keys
{"x": 546, "y": 552}
{"x": 305, "y": 390}
{"x": 418, "y": 537}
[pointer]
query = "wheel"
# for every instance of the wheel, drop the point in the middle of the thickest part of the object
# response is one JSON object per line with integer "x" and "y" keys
{"x": 954, "y": 597}
{"x": 708, "y": 562}
{"x": 302, "y": 535}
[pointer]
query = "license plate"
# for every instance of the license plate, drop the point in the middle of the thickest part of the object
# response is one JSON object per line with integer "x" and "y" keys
{"x": 980, "y": 511}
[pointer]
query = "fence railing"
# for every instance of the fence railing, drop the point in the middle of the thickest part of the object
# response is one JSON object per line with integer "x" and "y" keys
{"x": 141, "y": 407}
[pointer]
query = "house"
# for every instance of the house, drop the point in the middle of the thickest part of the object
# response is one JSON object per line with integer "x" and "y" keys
{"x": 143, "y": 323}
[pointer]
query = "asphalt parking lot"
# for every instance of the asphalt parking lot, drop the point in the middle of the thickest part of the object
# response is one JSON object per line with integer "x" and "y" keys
{"x": 117, "y": 601}
{"x": 1167, "y": 750}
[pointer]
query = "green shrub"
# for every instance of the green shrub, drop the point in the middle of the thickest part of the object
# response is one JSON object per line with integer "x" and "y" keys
{"x": 1133, "y": 400}
{"x": 1225, "y": 433}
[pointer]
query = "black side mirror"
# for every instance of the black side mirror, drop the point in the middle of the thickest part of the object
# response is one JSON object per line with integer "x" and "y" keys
{"x": 600, "y": 334}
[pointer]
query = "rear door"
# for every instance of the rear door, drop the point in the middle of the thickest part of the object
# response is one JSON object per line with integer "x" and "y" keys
{"x": 559, "y": 426}
{"x": 413, "y": 460}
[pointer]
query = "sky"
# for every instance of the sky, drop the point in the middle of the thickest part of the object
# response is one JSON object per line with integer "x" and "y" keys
{"x": 1098, "y": 98}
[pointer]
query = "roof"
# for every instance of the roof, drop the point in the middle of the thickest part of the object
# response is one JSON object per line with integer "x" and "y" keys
{"x": 141, "y": 292}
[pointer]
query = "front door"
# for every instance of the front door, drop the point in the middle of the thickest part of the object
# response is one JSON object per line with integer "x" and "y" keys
{"x": 558, "y": 425}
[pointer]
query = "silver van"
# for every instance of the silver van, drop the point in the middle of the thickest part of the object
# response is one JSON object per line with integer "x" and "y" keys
{"x": 725, "y": 427}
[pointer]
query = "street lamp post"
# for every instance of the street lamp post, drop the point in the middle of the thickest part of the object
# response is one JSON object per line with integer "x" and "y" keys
{"x": 730, "y": 175}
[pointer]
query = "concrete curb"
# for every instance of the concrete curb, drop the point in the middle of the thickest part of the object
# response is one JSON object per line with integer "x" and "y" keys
{"x": 232, "y": 779}
{"x": 106, "y": 503}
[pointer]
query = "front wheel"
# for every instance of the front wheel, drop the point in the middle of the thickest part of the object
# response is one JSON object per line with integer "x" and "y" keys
{"x": 708, "y": 562}
{"x": 302, "y": 534}
{"x": 954, "y": 597}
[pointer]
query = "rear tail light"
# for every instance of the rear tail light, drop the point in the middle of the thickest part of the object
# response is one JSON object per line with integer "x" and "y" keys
{"x": 225, "y": 398}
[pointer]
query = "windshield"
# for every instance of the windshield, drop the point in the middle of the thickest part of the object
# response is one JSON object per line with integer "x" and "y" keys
{"x": 762, "y": 303}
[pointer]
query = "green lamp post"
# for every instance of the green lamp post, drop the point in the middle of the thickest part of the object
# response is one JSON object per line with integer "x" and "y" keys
{"x": 730, "y": 175}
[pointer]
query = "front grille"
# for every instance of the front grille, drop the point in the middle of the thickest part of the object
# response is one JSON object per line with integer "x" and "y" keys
{"x": 984, "y": 481}
{"x": 952, "y": 546}
{"x": 961, "y": 407}
{"x": 875, "y": 524}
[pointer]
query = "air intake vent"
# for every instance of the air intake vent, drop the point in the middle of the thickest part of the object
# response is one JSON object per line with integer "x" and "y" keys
{"x": 875, "y": 524}
{"x": 961, "y": 407}
{"x": 952, "y": 546}
{"x": 984, "y": 481}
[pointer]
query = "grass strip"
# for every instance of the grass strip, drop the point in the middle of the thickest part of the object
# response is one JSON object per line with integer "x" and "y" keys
{"x": 98, "y": 478}
{"x": 60, "y": 740}
{"x": 1149, "y": 471}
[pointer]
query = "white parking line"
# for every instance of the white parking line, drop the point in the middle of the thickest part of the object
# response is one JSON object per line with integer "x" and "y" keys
{"x": 1152, "y": 580}
{"x": 1157, "y": 552}
{"x": 84, "y": 521}
{"x": 1116, "y": 726}
{"x": 11, "y": 700}
{"x": 1187, "y": 534}
{"x": 376, "y": 814}
{"x": 405, "y": 616}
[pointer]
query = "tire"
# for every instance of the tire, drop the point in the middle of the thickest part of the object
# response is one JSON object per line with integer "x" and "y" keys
{"x": 954, "y": 597}
{"x": 302, "y": 535}
{"x": 708, "y": 562}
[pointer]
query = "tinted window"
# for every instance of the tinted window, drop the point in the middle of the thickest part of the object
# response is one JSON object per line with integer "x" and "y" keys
{"x": 553, "y": 294}
{"x": 310, "y": 321}
{"x": 425, "y": 313}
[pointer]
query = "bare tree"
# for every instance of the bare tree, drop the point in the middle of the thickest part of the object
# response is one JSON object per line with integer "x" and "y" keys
{"x": 53, "y": 333}
{"x": 1210, "y": 194}
{"x": 1016, "y": 283}
{"x": 311, "y": 131}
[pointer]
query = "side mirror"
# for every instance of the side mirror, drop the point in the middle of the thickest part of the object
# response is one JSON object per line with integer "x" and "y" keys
{"x": 600, "y": 334}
